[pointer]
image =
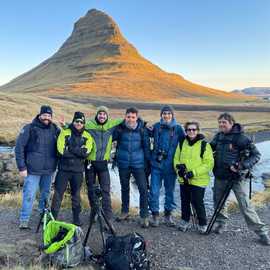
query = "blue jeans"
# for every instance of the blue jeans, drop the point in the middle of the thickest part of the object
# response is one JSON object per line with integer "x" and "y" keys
{"x": 157, "y": 176}
{"x": 30, "y": 187}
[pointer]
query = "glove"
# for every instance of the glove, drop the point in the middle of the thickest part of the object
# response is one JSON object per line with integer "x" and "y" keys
{"x": 189, "y": 175}
{"x": 181, "y": 169}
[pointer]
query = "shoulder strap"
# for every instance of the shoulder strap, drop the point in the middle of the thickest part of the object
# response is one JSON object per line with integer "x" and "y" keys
{"x": 203, "y": 148}
{"x": 181, "y": 144}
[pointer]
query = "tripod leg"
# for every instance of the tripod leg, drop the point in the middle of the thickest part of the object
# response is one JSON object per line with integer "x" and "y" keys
{"x": 112, "y": 230}
{"x": 101, "y": 229}
{"x": 220, "y": 205}
{"x": 92, "y": 219}
{"x": 40, "y": 221}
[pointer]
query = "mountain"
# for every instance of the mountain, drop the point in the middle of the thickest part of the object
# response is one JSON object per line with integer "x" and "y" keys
{"x": 96, "y": 61}
{"x": 255, "y": 91}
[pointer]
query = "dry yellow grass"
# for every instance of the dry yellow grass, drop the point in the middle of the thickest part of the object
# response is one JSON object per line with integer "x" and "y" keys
{"x": 18, "y": 109}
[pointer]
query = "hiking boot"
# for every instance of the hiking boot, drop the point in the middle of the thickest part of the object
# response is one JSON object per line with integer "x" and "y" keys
{"x": 219, "y": 228}
{"x": 183, "y": 225}
{"x": 168, "y": 220}
{"x": 24, "y": 225}
{"x": 144, "y": 222}
{"x": 202, "y": 229}
{"x": 154, "y": 222}
{"x": 264, "y": 239}
{"x": 123, "y": 216}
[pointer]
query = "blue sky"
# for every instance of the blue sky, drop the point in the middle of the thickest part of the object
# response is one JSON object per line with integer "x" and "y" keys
{"x": 222, "y": 44}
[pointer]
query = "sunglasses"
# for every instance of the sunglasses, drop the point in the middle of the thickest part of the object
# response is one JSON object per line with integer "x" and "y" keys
{"x": 191, "y": 129}
{"x": 79, "y": 122}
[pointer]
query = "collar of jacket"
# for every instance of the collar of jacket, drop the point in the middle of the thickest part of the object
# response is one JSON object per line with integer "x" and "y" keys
{"x": 198, "y": 138}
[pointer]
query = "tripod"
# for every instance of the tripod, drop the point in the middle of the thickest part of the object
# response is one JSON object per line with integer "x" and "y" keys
{"x": 45, "y": 217}
{"x": 219, "y": 206}
{"x": 96, "y": 210}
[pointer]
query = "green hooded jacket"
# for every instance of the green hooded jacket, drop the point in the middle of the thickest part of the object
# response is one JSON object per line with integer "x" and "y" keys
{"x": 200, "y": 167}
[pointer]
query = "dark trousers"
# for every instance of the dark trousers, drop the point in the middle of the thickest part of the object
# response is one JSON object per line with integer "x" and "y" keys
{"x": 60, "y": 185}
{"x": 193, "y": 195}
{"x": 105, "y": 186}
{"x": 141, "y": 182}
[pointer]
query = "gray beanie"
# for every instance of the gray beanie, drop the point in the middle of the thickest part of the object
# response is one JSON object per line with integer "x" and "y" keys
{"x": 166, "y": 108}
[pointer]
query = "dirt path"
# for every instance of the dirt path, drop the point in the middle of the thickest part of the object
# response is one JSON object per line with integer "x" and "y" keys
{"x": 168, "y": 248}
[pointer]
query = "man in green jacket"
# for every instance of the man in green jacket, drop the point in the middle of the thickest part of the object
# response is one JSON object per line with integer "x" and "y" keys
{"x": 101, "y": 129}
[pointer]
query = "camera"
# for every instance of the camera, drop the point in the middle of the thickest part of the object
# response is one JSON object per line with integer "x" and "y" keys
{"x": 161, "y": 154}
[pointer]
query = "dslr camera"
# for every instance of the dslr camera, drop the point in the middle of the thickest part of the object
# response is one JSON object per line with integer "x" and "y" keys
{"x": 161, "y": 155}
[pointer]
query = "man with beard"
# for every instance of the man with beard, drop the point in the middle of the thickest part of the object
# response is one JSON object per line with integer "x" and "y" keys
{"x": 101, "y": 129}
{"x": 36, "y": 159}
{"x": 74, "y": 144}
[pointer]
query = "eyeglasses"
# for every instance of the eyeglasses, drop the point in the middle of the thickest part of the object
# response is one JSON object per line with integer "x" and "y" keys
{"x": 79, "y": 122}
{"x": 191, "y": 129}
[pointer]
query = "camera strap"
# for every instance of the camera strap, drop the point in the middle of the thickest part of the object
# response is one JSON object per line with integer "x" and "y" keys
{"x": 203, "y": 146}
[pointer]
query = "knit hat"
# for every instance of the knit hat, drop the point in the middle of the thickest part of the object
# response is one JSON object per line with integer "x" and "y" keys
{"x": 102, "y": 109}
{"x": 79, "y": 116}
{"x": 166, "y": 108}
{"x": 45, "y": 109}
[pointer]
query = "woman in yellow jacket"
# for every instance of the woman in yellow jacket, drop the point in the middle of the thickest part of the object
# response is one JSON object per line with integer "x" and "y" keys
{"x": 193, "y": 161}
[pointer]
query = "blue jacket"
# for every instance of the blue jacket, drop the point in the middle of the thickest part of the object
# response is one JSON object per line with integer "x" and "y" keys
{"x": 166, "y": 138}
{"x": 35, "y": 148}
{"x": 133, "y": 146}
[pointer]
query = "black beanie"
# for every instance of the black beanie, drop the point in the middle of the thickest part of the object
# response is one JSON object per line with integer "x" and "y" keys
{"x": 166, "y": 108}
{"x": 45, "y": 109}
{"x": 79, "y": 116}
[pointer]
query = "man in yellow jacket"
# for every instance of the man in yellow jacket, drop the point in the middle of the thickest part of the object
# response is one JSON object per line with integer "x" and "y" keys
{"x": 193, "y": 161}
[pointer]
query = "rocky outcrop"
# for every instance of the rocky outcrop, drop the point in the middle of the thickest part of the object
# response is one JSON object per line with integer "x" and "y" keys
{"x": 9, "y": 176}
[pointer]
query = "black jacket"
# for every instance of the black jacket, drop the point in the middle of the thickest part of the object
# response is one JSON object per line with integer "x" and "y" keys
{"x": 233, "y": 147}
{"x": 35, "y": 148}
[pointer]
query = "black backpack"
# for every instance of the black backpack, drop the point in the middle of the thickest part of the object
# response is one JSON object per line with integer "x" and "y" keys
{"x": 126, "y": 252}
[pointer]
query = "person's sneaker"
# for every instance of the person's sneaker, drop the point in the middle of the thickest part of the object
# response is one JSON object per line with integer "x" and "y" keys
{"x": 168, "y": 220}
{"x": 123, "y": 216}
{"x": 144, "y": 222}
{"x": 183, "y": 225}
{"x": 24, "y": 225}
{"x": 264, "y": 239}
{"x": 202, "y": 229}
{"x": 219, "y": 228}
{"x": 77, "y": 221}
{"x": 154, "y": 222}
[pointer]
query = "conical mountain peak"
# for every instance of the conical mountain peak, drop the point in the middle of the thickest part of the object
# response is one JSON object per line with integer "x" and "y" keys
{"x": 97, "y": 61}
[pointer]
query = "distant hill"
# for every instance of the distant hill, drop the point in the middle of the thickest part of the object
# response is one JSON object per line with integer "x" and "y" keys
{"x": 255, "y": 91}
{"x": 96, "y": 61}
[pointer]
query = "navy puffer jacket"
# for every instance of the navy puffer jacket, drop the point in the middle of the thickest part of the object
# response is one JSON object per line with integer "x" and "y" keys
{"x": 133, "y": 146}
{"x": 35, "y": 148}
{"x": 166, "y": 138}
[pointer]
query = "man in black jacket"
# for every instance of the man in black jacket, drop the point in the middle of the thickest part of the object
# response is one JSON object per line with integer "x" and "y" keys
{"x": 36, "y": 159}
{"x": 235, "y": 155}
{"x": 74, "y": 144}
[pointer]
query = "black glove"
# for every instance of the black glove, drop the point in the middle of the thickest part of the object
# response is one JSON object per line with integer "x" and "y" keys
{"x": 189, "y": 175}
{"x": 181, "y": 169}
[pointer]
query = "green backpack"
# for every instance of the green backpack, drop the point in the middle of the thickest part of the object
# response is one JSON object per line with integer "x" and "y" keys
{"x": 63, "y": 244}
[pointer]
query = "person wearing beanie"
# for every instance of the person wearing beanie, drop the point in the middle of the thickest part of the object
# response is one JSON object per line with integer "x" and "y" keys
{"x": 74, "y": 144}
{"x": 101, "y": 129}
{"x": 166, "y": 134}
{"x": 36, "y": 159}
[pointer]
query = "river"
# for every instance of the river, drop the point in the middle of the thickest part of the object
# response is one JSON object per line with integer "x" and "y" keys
{"x": 257, "y": 184}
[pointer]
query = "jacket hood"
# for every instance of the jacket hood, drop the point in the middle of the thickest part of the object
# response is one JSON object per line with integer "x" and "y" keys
{"x": 237, "y": 128}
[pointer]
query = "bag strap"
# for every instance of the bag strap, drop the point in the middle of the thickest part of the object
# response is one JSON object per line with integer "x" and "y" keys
{"x": 203, "y": 146}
